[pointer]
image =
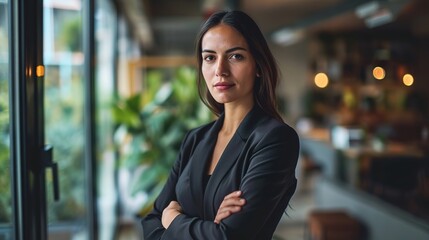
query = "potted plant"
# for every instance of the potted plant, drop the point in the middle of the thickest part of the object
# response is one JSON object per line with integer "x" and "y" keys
{"x": 150, "y": 128}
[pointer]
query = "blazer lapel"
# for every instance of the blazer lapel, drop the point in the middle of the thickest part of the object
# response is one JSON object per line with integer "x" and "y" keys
{"x": 231, "y": 153}
{"x": 227, "y": 160}
{"x": 199, "y": 160}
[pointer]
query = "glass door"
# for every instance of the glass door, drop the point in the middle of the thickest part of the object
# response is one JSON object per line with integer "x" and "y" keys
{"x": 47, "y": 133}
{"x": 5, "y": 177}
{"x": 65, "y": 129}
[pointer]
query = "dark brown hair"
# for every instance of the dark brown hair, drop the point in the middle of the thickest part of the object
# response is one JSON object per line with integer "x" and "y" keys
{"x": 265, "y": 85}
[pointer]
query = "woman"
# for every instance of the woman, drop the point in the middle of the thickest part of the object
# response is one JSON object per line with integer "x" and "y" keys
{"x": 233, "y": 177}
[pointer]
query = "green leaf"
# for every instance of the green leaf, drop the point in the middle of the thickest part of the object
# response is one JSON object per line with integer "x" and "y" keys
{"x": 163, "y": 94}
{"x": 173, "y": 136}
{"x": 147, "y": 179}
{"x": 134, "y": 104}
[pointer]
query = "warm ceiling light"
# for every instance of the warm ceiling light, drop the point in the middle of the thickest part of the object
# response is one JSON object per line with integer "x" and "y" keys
{"x": 408, "y": 80}
{"x": 288, "y": 36}
{"x": 321, "y": 80}
{"x": 377, "y": 13}
{"x": 378, "y": 73}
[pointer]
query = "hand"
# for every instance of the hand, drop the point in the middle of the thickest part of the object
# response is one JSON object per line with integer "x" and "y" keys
{"x": 232, "y": 203}
{"x": 170, "y": 213}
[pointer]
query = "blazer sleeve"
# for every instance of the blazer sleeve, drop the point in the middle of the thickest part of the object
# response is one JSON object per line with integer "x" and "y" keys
{"x": 267, "y": 187}
{"x": 151, "y": 223}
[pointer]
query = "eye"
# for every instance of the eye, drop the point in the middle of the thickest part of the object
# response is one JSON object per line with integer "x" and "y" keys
{"x": 236, "y": 56}
{"x": 208, "y": 58}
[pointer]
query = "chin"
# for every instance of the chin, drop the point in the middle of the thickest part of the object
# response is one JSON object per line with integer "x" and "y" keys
{"x": 222, "y": 99}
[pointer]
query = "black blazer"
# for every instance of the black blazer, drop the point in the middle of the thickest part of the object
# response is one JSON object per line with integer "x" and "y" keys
{"x": 259, "y": 160}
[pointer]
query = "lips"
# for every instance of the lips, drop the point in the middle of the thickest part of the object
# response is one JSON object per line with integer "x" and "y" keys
{"x": 223, "y": 85}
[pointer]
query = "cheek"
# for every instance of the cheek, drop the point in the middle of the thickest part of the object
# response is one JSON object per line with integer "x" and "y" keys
{"x": 207, "y": 74}
{"x": 206, "y": 70}
{"x": 249, "y": 75}
{"x": 250, "y": 81}
{"x": 206, "y": 78}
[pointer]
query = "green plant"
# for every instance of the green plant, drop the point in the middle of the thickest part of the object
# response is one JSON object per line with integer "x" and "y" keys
{"x": 5, "y": 188}
{"x": 71, "y": 34}
{"x": 151, "y": 126}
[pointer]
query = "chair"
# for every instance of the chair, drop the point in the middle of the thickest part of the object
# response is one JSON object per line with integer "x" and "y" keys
{"x": 333, "y": 225}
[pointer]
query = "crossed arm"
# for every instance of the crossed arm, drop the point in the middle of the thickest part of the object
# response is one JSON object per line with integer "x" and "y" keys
{"x": 231, "y": 204}
{"x": 269, "y": 176}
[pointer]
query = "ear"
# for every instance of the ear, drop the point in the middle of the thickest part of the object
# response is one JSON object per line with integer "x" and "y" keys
{"x": 258, "y": 71}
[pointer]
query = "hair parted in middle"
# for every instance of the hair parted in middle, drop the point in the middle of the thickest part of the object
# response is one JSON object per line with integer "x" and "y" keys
{"x": 267, "y": 69}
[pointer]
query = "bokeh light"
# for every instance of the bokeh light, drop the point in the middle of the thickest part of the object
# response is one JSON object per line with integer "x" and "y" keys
{"x": 321, "y": 80}
{"x": 408, "y": 80}
{"x": 378, "y": 73}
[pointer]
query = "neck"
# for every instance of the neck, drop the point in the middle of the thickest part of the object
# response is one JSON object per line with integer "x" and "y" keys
{"x": 234, "y": 115}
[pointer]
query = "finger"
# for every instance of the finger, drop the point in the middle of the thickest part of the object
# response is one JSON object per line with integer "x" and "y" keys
{"x": 220, "y": 216}
{"x": 170, "y": 205}
{"x": 232, "y": 202}
{"x": 174, "y": 205}
{"x": 233, "y": 195}
{"x": 230, "y": 210}
{"x": 226, "y": 212}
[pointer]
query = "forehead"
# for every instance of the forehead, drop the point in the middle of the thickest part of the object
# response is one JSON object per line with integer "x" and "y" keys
{"x": 223, "y": 36}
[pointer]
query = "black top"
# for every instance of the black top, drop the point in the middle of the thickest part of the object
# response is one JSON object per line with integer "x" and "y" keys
{"x": 206, "y": 179}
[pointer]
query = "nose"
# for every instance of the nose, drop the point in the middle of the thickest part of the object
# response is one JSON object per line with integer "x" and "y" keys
{"x": 222, "y": 69}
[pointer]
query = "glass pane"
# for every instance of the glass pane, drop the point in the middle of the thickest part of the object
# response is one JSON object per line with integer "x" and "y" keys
{"x": 105, "y": 31}
{"x": 64, "y": 125}
{"x": 5, "y": 180}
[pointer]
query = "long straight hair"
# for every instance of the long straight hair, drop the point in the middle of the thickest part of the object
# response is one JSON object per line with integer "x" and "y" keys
{"x": 265, "y": 85}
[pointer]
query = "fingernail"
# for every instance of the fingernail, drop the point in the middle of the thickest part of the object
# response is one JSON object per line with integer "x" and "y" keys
{"x": 238, "y": 192}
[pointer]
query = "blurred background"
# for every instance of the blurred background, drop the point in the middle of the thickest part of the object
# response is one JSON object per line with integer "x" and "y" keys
{"x": 119, "y": 94}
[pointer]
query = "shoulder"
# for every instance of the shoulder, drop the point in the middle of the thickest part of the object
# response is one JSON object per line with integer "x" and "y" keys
{"x": 190, "y": 142}
{"x": 199, "y": 132}
{"x": 276, "y": 137}
{"x": 272, "y": 130}
{"x": 196, "y": 135}
{"x": 274, "y": 141}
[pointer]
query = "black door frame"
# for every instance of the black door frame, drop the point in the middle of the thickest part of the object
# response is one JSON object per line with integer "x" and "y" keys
{"x": 29, "y": 158}
{"x": 27, "y": 128}
{"x": 90, "y": 116}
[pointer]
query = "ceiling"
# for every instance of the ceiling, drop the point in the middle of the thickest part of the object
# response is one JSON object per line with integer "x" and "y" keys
{"x": 171, "y": 25}
{"x": 274, "y": 14}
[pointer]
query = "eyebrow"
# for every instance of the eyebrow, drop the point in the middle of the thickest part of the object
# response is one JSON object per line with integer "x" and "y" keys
{"x": 227, "y": 51}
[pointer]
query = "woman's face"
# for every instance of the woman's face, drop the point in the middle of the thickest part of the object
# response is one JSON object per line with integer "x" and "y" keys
{"x": 228, "y": 67}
